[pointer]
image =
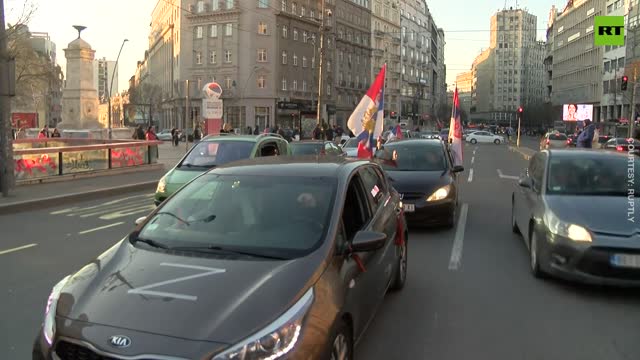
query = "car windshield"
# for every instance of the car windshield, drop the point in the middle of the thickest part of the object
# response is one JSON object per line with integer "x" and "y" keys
{"x": 606, "y": 176}
{"x": 306, "y": 148}
{"x": 281, "y": 216}
{"x": 558, "y": 137}
{"x": 216, "y": 153}
{"x": 412, "y": 157}
{"x": 351, "y": 143}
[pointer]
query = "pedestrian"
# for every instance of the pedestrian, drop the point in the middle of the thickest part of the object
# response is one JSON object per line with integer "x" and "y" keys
{"x": 151, "y": 134}
{"x": 328, "y": 133}
{"x": 197, "y": 134}
{"x": 138, "y": 133}
{"x": 317, "y": 132}
{"x": 56, "y": 133}
{"x": 256, "y": 130}
{"x": 585, "y": 139}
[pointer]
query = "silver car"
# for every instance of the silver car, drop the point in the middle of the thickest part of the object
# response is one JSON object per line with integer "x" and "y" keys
{"x": 554, "y": 140}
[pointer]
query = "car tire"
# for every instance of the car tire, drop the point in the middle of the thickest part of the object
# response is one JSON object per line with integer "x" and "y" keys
{"x": 514, "y": 224}
{"x": 473, "y": 141}
{"x": 341, "y": 343}
{"x": 534, "y": 255}
{"x": 496, "y": 141}
{"x": 401, "y": 273}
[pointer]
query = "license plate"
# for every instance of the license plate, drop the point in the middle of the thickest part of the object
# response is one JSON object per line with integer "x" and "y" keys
{"x": 409, "y": 207}
{"x": 628, "y": 261}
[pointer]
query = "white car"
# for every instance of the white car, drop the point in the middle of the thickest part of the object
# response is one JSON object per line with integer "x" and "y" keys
{"x": 484, "y": 137}
{"x": 351, "y": 147}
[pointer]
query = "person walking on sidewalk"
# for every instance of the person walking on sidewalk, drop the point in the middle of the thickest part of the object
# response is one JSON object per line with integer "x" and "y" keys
{"x": 56, "y": 133}
{"x": 138, "y": 134}
{"x": 175, "y": 139}
{"x": 151, "y": 134}
{"x": 586, "y": 137}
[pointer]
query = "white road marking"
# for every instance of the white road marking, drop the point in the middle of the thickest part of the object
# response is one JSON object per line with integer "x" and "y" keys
{"x": 110, "y": 209}
{"x": 125, "y": 213}
{"x": 502, "y": 176}
{"x": 100, "y": 228}
{"x": 456, "y": 251}
{"x": 17, "y": 249}
{"x": 473, "y": 159}
{"x": 76, "y": 209}
{"x": 470, "y": 175}
{"x": 474, "y": 152}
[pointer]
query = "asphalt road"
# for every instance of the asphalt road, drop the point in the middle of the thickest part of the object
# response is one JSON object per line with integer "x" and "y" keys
{"x": 484, "y": 306}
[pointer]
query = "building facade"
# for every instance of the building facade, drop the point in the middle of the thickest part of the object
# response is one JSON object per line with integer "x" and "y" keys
{"x": 103, "y": 71}
{"x": 483, "y": 88}
{"x": 385, "y": 41}
{"x": 464, "y": 82}
{"x": 577, "y": 63}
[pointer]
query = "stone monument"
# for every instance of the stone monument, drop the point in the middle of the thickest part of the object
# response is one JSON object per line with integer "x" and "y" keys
{"x": 79, "y": 97}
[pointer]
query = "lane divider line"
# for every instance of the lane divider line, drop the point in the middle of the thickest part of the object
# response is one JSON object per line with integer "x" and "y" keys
{"x": 458, "y": 242}
{"x": 100, "y": 228}
{"x": 470, "y": 175}
{"x": 502, "y": 176}
{"x": 473, "y": 159}
{"x": 3, "y": 252}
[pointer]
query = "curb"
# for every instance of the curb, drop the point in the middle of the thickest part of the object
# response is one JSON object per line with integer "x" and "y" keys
{"x": 521, "y": 152}
{"x": 21, "y": 206}
{"x": 91, "y": 174}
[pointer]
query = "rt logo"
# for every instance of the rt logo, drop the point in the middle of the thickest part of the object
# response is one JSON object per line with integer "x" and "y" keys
{"x": 609, "y": 30}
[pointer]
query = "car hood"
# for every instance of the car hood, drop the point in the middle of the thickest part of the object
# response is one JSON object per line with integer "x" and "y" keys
{"x": 600, "y": 214}
{"x": 177, "y": 177}
{"x": 424, "y": 182}
{"x": 184, "y": 296}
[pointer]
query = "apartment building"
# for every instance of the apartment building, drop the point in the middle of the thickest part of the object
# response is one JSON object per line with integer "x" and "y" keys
{"x": 385, "y": 41}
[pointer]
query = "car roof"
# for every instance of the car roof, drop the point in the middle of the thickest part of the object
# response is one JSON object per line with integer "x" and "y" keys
{"x": 584, "y": 152}
{"x": 292, "y": 166}
{"x": 415, "y": 142}
{"x": 234, "y": 137}
{"x": 310, "y": 142}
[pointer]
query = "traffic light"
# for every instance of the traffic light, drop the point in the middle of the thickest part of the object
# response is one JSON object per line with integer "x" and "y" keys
{"x": 520, "y": 110}
{"x": 625, "y": 82}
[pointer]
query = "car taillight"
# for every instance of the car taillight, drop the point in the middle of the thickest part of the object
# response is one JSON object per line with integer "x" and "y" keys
{"x": 548, "y": 141}
{"x": 568, "y": 141}
{"x": 619, "y": 148}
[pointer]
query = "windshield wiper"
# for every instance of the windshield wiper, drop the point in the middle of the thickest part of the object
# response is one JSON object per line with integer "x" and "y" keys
{"x": 150, "y": 242}
{"x": 220, "y": 249}
{"x": 173, "y": 216}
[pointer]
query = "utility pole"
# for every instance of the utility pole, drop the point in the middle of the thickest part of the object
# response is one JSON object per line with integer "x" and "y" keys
{"x": 402, "y": 34}
{"x": 632, "y": 107}
{"x": 519, "y": 124}
{"x": 318, "y": 116}
{"x": 6, "y": 138}
{"x": 187, "y": 114}
{"x": 115, "y": 70}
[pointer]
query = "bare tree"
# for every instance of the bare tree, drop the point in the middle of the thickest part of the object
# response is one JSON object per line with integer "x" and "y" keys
{"x": 145, "y": 99}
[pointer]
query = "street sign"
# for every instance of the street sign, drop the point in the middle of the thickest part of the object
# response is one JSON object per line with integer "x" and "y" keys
{"x": 212, "y": 108}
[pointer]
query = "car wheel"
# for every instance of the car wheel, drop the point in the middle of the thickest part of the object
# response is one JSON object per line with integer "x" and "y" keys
{"x": 534, "y": 255}
{"x": 496, "y": 141}
{"x": 514, "y": 224}
{"x": 401, "y": 273}
{"x": 473, "y": 141}
{"x": 342, "y": 344}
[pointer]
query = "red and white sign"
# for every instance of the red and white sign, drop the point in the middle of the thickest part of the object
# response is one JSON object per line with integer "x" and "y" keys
{"x": 24, "y": 120}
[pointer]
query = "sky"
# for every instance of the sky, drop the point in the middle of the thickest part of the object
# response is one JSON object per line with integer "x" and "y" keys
{"x": 465, "y": 22}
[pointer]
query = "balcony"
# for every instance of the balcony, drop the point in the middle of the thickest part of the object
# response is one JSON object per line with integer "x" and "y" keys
{"x": 378, "y": 52}
{"x": 379, "y": 34}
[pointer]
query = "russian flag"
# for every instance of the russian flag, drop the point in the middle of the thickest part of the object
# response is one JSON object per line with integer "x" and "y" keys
{"x": 367, "y": 119}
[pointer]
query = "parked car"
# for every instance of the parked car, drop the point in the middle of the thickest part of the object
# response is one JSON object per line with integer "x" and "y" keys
{"x": 214, "y": 151}
{"x": 572, "y": 210}
{"x": 484, "y": 137}
{"x": 423, "y": 172}
{"x": 164, "y": 135}
{"x": 316, "y": 147}
{"x": 272, "y": 259}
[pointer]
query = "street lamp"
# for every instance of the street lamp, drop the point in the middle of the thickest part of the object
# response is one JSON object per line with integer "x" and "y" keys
{"x": 115, "y": 69}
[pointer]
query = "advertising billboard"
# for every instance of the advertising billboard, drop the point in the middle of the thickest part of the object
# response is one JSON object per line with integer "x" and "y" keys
{"x": 577, "y": 112}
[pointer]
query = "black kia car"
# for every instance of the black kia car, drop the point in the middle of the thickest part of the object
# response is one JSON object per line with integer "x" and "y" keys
{"x": 279, "y": 258}
{"x": 422, "y": 171}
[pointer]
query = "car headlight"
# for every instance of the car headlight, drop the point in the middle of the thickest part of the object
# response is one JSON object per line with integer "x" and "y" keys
{"x": 277, "y": 339}
{"x": 162, "y": 185}
{"x": 561, "y": 228}
{"x": 440, "y": 194}
{"x": 50, "y": 312}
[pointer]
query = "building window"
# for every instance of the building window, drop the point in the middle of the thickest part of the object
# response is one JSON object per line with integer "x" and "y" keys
{"x": 198, "y": 58}
{"x": 198, "y": 32}
{"x": 284, "y": 57}
{"x": 228, "y": 29}
{"x": 284, "y": 84}
{"x": 227, "y": 56}
{"x": 262, "y": 82}
{"x": 284, "y": 31}
{"x": 229, "y": 4}
{"x": 293, "y": 8}
{"x": 303, "y": 11}
{"x": 212, "y": 56}
{"x": 263, "y": 4}
{"x": 215, "y": 5}
{"x": 262, "y": 28}
{"x": 283, "y": 5}
{"x": 295, "y": 85}
{"x": 295, "y": 60}
{"x": 304, "y": 85}
{"x": 304, "y": 61}
{"x": 262, "y": 116}
{"x": 328, "y": 90}
{"x": 312, "y": 14}
{"x": 200, "y": 6}
{"x": 228, "y": 83}
{"x": 313, "y": 62}
{"x": 304, "y": 36}
{"x": 262, "y": 55}
{"x": 295, "y": 34}
{"x": 213, "y": 31}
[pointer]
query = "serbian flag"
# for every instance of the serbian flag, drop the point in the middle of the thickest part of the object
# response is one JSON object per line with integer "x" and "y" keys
{"x": 397, "y": 132}
{"x": 455, "y": 131}
{"x": 367, "y": 119}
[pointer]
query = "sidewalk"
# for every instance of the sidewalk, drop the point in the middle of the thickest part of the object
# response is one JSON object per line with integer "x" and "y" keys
{"x": 170, "y": 155}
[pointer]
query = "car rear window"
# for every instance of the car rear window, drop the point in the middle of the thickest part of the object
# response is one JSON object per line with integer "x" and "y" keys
{"x": 414, "y": 157}
{"x": 217, "y": 153}
{"x": 558, "y": 137}
{"x": 306, "y": 149}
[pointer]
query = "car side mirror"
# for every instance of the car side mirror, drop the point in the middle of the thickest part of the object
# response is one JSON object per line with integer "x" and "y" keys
{"x": 524, "y": 182}
{"x": 368, "y": 241}
{"x": 140, "y": 220}
{"x": 458, "y": 168}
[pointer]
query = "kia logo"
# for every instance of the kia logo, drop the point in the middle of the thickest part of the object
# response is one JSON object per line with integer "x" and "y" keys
{"x": 120, "y": 341}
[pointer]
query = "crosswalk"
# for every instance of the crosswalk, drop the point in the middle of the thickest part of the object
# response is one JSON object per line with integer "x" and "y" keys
{"x": 111, "y": 210}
